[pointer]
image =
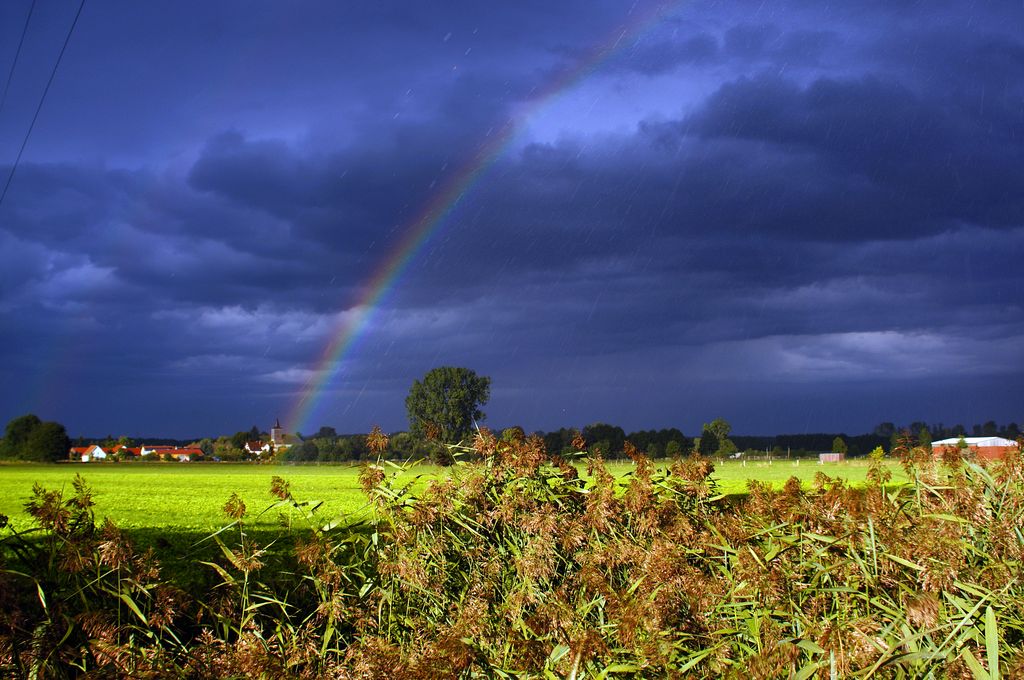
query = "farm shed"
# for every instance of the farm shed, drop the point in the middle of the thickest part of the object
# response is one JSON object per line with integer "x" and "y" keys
{"x": 831, "y": 457}
{"x": 989, "y": 448}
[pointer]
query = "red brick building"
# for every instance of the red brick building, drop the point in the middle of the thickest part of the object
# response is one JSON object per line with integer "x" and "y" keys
{"x": 988, "y": 448}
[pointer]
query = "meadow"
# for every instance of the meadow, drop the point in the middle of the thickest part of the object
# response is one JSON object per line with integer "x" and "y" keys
{"x": 189, "y": 498}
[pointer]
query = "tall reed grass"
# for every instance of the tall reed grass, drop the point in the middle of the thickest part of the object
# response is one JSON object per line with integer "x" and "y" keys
{"x": 514, "y": 566}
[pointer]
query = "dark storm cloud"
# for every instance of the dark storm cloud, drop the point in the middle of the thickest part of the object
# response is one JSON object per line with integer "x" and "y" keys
{"x": 926, "y": 162}
{"x": 786, "y": 200}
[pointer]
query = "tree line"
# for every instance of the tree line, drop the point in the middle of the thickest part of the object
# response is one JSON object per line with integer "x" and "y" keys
{"x": 445, "y": 407}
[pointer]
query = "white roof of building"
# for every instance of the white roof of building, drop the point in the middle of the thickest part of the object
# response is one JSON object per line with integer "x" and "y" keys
{"x": 976, "y": 441}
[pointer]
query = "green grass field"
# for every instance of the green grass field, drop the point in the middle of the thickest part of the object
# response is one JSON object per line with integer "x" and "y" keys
{"x": 185, "y": 497}
{"x": 189, "y": 497}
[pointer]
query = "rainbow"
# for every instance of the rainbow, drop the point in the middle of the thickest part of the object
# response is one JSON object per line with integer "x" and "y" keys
{"x": 431, "y": 218}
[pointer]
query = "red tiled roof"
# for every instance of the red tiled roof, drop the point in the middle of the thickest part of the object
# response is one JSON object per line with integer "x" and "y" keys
{"x": 137, "y": 450}
{"x": 188, "y": 452}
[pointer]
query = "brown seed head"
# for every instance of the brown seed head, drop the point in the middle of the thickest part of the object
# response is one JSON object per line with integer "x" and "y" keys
{"x": 280, "y": 488}
{"x": 923, "y": 610}
{"x": 485, "y": 442}
{"x": 377, "y": 440}
{"x": 370, "y": 477}
{"x": 235, "y": 507}
{"x": 115, "y": 551}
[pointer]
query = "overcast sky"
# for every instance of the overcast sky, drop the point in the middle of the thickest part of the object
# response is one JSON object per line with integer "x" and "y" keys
{"x": 800, "y": 216}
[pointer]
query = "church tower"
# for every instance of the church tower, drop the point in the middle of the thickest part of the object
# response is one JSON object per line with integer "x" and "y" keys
{"x": 277, "y": 433}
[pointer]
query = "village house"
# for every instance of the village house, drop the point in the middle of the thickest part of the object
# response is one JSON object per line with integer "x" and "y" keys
{"x": 257, "y": 447}
{"x": 278, "y": 441}
{"x": 95, "y": 452}
{"x": 182, "y": 454}
{"x": 157, "y": 450}
{"x": 187, "y": 454}
{"x": 88, "y": 453}
{"x": 261, "y": 449}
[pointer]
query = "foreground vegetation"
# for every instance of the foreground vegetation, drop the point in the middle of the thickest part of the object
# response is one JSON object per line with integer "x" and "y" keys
{"x": 518, "y": 564}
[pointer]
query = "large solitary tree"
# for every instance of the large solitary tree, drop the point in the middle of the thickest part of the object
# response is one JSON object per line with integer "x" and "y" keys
{"x": 716, "y": 434}
{"x": 445, "y": 403}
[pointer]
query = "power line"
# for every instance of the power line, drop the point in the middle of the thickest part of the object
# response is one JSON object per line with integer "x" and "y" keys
{"x": 17, "y": 53}
{"x": 39, "y": 108}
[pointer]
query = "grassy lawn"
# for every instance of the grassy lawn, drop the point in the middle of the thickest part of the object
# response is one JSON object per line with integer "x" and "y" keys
{"x": 189, "y": 497}
{"x": 733, "y": 475}
{"x": 186, "y": 497}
